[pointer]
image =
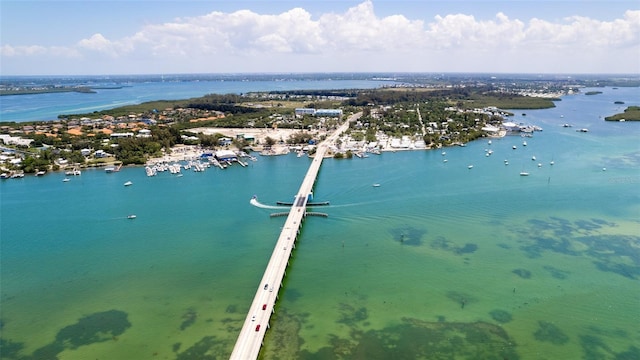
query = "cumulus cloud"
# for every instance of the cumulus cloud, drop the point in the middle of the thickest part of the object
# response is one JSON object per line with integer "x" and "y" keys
{"x": 360, "y": 29}
{"x": 31, "y": 50}
{"x": 357, "y": 31}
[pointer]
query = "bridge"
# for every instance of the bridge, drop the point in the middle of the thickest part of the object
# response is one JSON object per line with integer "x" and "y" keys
{"x": 256, "y": 323}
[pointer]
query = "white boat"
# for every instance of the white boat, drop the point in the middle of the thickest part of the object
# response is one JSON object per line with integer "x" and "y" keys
{"x": 470, "y": 167}
{"x": 131, "y": 216}
{"x": 524, "y": 173}
{"x": 524, "y": 143}
{"x": 128, "y": 183}
{"x": 66, "y": 180}
{"x": 40, "y": 173}
{"x": 513, "y": 147}
{"x": 376, "y": 185}
{"x": 533, "y": 158}
{"x": 552, "y": 162}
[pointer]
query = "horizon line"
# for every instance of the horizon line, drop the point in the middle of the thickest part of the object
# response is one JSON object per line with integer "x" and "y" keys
{"x": 328, "y": 73}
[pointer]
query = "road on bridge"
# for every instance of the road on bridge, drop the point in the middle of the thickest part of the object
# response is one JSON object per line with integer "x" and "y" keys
{"x": 256, "y": 323}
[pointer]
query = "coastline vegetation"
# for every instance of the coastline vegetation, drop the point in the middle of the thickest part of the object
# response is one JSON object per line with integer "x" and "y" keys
{"x": 631, "y": 113}
{"x": 396, "y": 112}
{"x": 45, "y": 90}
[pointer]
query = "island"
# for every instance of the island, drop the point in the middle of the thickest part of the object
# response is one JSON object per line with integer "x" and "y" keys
{"x": 29, "y": 90}
{"x": 631, "y": 113}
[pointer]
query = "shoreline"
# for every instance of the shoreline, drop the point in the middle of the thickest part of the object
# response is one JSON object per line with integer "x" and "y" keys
{"x": 188, "y": 153}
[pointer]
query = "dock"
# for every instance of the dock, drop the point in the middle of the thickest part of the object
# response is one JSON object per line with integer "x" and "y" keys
{"x": 256, "y": 322}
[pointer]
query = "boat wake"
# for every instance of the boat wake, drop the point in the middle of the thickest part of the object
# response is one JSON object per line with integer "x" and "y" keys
{"x": 254, "y": 201}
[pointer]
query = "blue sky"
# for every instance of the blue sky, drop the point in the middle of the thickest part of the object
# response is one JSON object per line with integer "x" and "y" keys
{"x": 54, "y": 37}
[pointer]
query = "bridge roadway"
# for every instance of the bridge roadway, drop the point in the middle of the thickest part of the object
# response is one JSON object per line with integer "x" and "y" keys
{"x": 257, "y": 321}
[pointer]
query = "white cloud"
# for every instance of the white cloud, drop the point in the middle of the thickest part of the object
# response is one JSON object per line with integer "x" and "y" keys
{"x": 97, "y": 42}
{"x": 357, "y": 33}
{"x": 30, "y": 50}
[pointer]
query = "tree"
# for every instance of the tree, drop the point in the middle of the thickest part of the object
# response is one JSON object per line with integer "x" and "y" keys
{"x": 270, "y": 141}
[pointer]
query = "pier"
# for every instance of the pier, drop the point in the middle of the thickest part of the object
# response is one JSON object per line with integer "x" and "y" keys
{"x": 256, "y": 322}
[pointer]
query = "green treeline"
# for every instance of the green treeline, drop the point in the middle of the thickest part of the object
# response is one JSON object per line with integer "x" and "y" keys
{"x": 631, "y": 113}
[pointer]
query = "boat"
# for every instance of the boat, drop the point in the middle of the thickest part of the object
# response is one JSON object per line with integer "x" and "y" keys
{"x": 376, "y": 185}
{"x": 552, "y": 162}
{"x": 533, "y": 158}
{"x": 128, "y": 183}
{"x": 513, "y": 147}
{"x": 524, "y": 143}
{"x": 66, "y": 180}
{"x": 40, "y": 173}
{"x": 524, "y": 173}
{"x": 131, "y": 216}
{"x": 470, "y": 167}
{"x": 583, "y": 130}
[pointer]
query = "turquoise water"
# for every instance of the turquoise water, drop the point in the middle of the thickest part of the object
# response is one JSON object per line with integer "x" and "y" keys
{"x": 48, "y": 106}
{"x": 440, "y": 261}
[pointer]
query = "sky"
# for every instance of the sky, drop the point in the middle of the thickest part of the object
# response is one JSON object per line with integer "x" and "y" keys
{"x": 93, "y": 37}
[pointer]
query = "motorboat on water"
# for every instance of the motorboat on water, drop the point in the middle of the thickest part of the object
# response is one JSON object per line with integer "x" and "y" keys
{"x": 524, "y": 173}
{"x": 376, "y": 185}
{"x": 128, "y": 183}
{"x": 132, "y": 216}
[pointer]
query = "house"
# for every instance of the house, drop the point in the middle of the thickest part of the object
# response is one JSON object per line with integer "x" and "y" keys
{"x": 144, "y": 133}
{"x": 122, "y": 135}
{"x": 101, "y": 154}
{"x": 225, "y": 141}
